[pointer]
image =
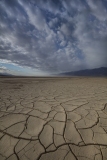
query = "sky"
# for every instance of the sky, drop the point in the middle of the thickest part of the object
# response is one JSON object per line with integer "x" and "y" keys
{"x": 45, "y": 37}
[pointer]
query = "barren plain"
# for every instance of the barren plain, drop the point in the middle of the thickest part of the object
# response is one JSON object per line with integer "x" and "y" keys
{"x": 53, "y": 118}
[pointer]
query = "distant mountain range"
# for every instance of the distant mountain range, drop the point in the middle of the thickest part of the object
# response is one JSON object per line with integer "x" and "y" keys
{"x": 5, "y": 74}
{"x": 87, "y": 72}
{"x": 99, "y": 72}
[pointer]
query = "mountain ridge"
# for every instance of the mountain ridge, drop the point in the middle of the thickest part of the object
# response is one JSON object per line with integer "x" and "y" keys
{"x": 102, "y": 71}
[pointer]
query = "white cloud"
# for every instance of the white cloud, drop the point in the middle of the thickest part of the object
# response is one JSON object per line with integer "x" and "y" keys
{"x": 5, "y": 70}
{"x": 91, "y": 43}
{"x": 54, "y": 37}
{"x": 63, "y": 43}
{"x": 53, "y": 22}
{"x": 65, "y": 29}
{"x": 35, "y": 16}
{"x": 98, "y": 9}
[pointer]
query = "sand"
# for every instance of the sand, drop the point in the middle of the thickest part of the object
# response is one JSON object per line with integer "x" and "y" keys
{"x": 53, "y": 118}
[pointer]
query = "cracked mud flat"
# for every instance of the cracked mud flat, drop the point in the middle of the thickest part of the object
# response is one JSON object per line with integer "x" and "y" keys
{"x": 53, "y": 119}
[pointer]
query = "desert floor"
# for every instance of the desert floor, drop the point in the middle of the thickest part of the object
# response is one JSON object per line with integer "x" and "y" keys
{"x": 53, "y": 118}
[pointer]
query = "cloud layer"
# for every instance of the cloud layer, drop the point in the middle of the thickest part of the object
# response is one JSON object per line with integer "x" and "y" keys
{"x": 54, "y": 35}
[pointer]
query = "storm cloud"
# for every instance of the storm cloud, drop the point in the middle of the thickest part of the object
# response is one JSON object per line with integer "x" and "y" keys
{"x": 54, "y": 35}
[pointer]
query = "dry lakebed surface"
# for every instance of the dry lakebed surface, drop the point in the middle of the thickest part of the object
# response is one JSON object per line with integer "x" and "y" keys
{"x": 53, "y": 118}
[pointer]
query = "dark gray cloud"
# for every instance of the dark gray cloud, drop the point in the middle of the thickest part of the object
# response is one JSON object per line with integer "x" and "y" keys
{"x": 54, "y": 35}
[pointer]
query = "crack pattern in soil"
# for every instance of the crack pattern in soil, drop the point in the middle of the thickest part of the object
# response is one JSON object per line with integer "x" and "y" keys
{"x": 53, "y": 118}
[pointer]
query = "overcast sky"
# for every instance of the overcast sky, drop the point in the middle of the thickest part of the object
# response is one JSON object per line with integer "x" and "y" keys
{"x": 52, "y": 36}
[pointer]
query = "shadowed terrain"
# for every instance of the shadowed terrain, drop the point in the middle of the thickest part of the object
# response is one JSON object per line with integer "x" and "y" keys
{"x": 88, "y": 72}
{"x": 53, "y": 118}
